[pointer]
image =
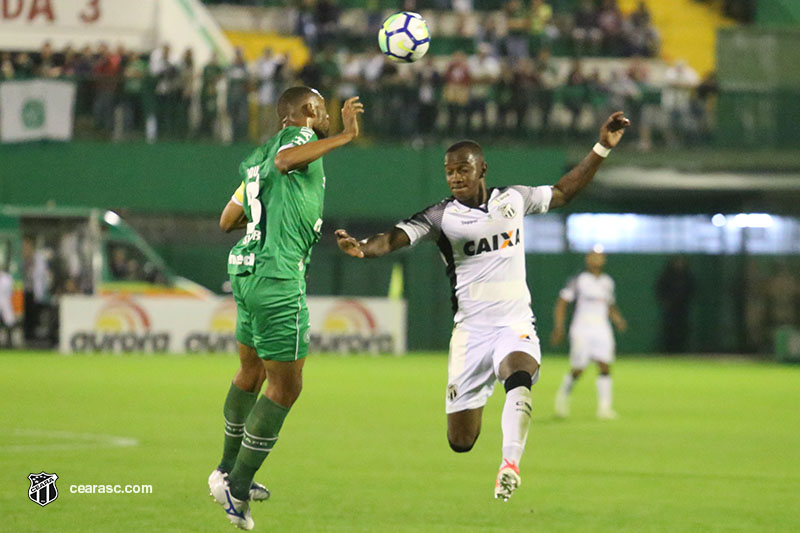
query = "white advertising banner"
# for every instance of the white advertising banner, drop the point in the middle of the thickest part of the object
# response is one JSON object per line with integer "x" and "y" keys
{"x": 185, "y": 325}
{"x": 36, "y": 109}
{"x": 27, "y": 24}
{"x": 139, "y": 25}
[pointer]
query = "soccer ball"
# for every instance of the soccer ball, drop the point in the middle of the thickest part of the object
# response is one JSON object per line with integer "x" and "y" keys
{"x": 404, "y": 37}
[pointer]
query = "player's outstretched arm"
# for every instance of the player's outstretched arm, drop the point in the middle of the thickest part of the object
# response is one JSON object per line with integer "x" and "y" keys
{"x": 560, "y": 318}
{"x": 300, "y": 156}
{"x": 375, "y": 246}
{"x": 579, "y": 177}
{"x": 616, "y": 317}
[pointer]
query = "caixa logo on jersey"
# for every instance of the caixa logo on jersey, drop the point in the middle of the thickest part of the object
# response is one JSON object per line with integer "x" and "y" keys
{"x": 43, "y": 488}
{"x": 221, "y": 333}
{"x": 121, "y": 325}
{"x": 350, "y": 327}
{"x": 495, "y": 242}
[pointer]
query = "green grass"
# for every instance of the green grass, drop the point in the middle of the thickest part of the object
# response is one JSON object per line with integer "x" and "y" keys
{"x": 701, "y": 445}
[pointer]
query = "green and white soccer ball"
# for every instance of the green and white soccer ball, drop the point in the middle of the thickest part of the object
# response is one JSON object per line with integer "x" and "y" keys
{"x": 404, "y": 37}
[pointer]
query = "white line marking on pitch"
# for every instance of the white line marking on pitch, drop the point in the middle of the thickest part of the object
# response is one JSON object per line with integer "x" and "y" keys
{"x": 84, "y": 440}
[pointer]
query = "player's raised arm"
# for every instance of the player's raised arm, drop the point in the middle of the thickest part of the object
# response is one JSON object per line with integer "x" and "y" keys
{"x": 375, "y": 246}
{"x": 579, "y": 177}
{"x": 300, "y": 156}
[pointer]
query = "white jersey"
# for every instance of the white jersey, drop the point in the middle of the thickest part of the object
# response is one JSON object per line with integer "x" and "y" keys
{"x": 593, "y": 295}
{"x": 6, "y": 292}
{"x": 483, "y": 250}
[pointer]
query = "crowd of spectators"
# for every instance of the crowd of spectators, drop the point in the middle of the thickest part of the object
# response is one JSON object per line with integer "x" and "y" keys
{"x": 506, "y": 89}
{"x": 515, "y": 28}
{"x": 122, "y": 94}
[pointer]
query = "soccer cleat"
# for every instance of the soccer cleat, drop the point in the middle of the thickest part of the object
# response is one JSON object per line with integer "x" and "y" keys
{"x": 237, "y": 511}
{"x": 216, "y": 485}
{"x": 258, "y": 492}
{"x": 606, "y": 413}
{"x": 508, "y": 480}
{"x": 562, "y": 405}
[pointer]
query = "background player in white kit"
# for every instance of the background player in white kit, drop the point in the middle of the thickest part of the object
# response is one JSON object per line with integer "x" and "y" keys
{"x": 7, "y": 318}
{"x": 479, "y": 234}
{"x": 590, "y": 335}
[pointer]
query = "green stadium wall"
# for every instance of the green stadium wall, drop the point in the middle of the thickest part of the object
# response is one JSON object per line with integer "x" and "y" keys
{"x": 778, "y": 13}
{"x": 378, "y": 182}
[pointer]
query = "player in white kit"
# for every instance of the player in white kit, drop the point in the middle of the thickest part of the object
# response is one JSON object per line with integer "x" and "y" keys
{"x": 590, "y": 335}
{"x": 7, "y": 318}
{"x": 479, "y": 233}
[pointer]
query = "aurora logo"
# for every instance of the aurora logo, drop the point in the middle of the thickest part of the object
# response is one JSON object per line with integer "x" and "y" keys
{"x": 121, "y": 325}
{"x": 120, "y": 315}
{"x": 349, "y": 327}
{"x": 221, "y": 333}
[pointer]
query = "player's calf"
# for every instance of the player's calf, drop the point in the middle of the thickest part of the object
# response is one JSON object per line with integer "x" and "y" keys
{"x": 562, "y": 396}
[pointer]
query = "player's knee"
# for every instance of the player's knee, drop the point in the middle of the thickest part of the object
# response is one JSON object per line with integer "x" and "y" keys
{"x": 518, "y": 361}
{"x": 604, "y": 369}
{"x": 262, "y": 377}
{"x": 292, "y": 393}
{"x": 250, "y": 377}
{"x": 461, "y": 444}
{"x": 284, "y": 391}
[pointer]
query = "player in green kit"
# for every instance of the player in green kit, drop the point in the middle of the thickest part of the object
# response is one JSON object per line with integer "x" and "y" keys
{"x": 279, "y": 203}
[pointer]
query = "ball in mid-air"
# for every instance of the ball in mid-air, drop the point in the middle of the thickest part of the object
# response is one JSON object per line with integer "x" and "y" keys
{"x": 404, "y": 37}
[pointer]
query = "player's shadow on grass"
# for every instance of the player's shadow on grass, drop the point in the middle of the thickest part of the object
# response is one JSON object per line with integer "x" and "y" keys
{"x": 573, "y": 420}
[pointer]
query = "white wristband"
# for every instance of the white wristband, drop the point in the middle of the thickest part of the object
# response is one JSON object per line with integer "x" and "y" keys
{"x": 601, "y": 150}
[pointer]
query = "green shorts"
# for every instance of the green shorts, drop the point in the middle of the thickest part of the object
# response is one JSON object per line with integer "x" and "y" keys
{"x": 272, "y": 316}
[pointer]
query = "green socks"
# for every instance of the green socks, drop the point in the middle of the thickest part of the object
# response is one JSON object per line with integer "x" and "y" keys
{"x": 260, "y": 435}
{"x": 237, "y": 406}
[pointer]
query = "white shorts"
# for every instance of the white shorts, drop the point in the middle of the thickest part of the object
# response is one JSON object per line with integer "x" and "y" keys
{"x": 475, "y": 356}
{"x": 590, "y": 343}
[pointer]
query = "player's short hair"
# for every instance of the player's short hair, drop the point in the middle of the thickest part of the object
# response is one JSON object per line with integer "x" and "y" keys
{"x": 470, "y": 146}
{"x": 292, "y": 98}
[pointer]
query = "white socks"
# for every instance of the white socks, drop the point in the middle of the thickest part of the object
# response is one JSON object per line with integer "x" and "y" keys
{"x": 604, "y": 392}
{"x": 515, "y": 423}
{"x": 566, "y": 385}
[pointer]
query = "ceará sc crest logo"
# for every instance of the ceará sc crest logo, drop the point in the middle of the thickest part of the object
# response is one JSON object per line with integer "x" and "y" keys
{"x": 43, "y": 488}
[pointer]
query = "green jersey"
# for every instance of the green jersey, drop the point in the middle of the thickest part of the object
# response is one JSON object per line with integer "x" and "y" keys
{"x": 284, "y": 210}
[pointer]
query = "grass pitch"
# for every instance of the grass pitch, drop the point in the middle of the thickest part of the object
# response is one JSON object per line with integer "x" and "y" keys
{"x": 701, "y": 445}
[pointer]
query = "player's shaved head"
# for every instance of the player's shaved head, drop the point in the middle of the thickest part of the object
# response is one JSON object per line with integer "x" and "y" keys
{"x": 304, "y": 107}
{"x": 293, "y": 99}
{"x": 470, "y": 147}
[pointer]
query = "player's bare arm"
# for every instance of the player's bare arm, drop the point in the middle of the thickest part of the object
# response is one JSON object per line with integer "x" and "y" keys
{"x": 579, "y": 177}
{"x": 560, "y": 318}
{"x": 232, "y": 217}
{"x": 300, "y": 156}
{"x": 375, "y": 246}
{"x": 616, "y": 317}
